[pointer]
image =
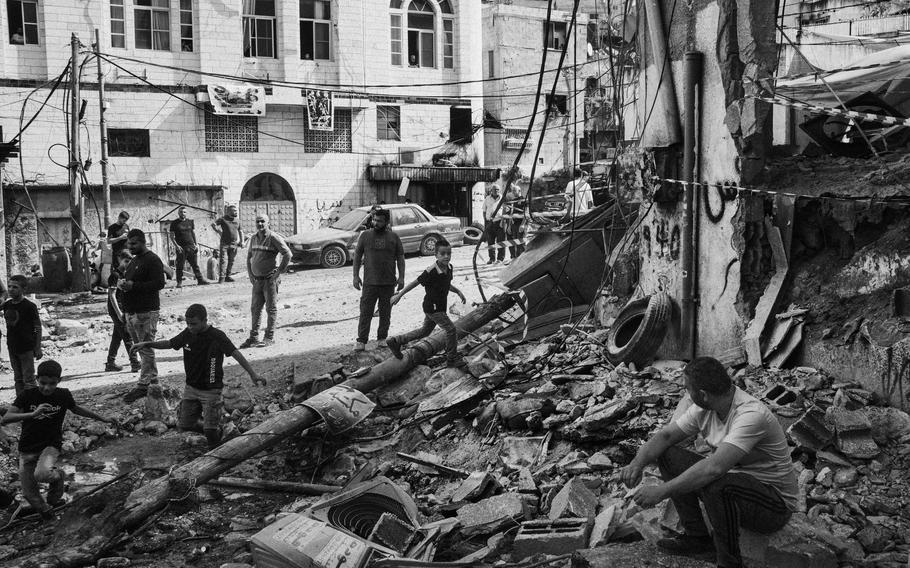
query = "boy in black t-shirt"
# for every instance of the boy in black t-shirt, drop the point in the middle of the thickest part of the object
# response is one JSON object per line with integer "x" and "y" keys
{"x": 204, "y": 348}
{"x": 23, "y": 333}
{"x": 115, "y": 310}
{"x": 437, "y": 281}
{"x": 42, "y": 411}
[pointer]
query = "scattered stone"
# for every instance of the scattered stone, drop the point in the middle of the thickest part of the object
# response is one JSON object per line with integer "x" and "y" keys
{"x": 113, "y": 562}
{"x": 526, "y": 483}
{"x": 854, "y": 433}
{"x": 478, "y": 484}
{"x": 797, "y": 545}
{"x": 71, "y": 328}
{"x": 874, "y": 538}
{"x": 573, "y": 500}
{"x": 7, "y": 552}
{"x": 888, "y": 423}
{"x": 846, "y": 476}
{"x": 604, "y": 526}
{"x": 825, "y": 477}
{"x": 491, "y": 514}
{"x": 810, "y": 431}
{"x": 600, "y": 461}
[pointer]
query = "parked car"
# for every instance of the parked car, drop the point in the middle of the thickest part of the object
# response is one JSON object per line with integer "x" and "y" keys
{"x": 333, "y": 246}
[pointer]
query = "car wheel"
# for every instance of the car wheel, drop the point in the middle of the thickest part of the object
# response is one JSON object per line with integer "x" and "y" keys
{"x": 428, "y": 245}
{"x": 333, "y": 256}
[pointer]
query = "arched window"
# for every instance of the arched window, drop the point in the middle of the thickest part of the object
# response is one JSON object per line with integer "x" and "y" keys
{"x": 413, "y": 33}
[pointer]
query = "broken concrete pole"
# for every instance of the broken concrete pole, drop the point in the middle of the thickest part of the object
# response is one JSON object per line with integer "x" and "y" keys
{"x": 141, "y": 504}
{"x": 492, "y": 514}
{"x": 573, "y": 500}
{"x": 551, "y": 537}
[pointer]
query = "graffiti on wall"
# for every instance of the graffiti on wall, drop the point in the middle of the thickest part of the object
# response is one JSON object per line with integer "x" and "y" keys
{"x": 662, "y": 239}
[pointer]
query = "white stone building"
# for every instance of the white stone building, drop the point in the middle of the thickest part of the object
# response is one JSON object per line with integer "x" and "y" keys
{"x": 405, "y": 75}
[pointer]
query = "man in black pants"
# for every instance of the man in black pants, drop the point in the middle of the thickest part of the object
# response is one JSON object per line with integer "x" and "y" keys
{"x": 183, "y": 231}
{"x": 492, "y": 226}
{"x": 748, "y": 481}
{"x": 380, "y": 251}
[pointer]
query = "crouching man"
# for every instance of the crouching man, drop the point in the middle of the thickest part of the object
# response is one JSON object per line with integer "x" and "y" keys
{"x": 747, "y": 481}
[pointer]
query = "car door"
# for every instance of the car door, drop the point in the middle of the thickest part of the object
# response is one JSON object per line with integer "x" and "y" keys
{"x": 406, "y": 224}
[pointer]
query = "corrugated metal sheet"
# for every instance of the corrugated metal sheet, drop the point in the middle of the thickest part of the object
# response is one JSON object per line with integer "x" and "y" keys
{"x": 429, "y": 173}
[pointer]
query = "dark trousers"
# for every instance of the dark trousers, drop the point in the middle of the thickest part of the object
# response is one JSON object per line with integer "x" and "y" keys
{"x": 120, "y": 335}
{"x": 514, "y": 234}
{"x": 187, "y": 253}
{"x": 429, "y": 324}
{"x": 494, "y": 234}
{"x": 370, "y": 295}
{"x": 226, "y": 256}
{"x": 732, "y": 501}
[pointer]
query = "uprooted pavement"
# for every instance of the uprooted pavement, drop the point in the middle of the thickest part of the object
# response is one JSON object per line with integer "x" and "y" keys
{"x": 513, "y": 462}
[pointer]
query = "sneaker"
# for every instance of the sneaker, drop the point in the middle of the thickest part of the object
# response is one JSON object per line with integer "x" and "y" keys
{"x": 111, "y": 367}
{"x": 685, "y": 545}
{"x": 179, "y": 285}
{"x": 228, "y": 279}
{"x": 491, "y": 261}
{"x": 138, "y": 392}
{"x": 382, "y": 343}
{"x": 54, "y": 503}
{"x": 221, "y": 280}
{"x": 360, "y": 346}
{"x": 135, "y": 366}
{"x": 251, "y": 341}
{"x": 395, "y": 347}
{"x": 267, "y": 342}
{"x": 202, "y": 282}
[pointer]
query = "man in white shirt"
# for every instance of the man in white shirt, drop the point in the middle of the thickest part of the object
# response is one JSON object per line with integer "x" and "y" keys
{"x": 748, "y": 481}
{"x": 578, "y": 194}
{"x": 492, "y": 226}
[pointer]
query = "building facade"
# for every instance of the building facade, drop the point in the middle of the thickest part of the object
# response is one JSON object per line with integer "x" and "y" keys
{"x": 403, "y": 77}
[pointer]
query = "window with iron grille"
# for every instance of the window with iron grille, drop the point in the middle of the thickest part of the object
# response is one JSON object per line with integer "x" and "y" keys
{"x": 128, "y": 142}
{"x": 315, "y": 29}
{"x": 118, "y": 24}
{"x": 332, "y": 141}
{"x": 186, "y": 25}
{"x": 231, "y": 133}
{"x": 259, "y": 37}
{"x": 153, "y": 24}
{"x": 388, "y": 123}
{"x": 23, "y": 21}
{"x": 554, "y": 34}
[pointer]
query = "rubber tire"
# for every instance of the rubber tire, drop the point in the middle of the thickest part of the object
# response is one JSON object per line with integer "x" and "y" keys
{"x": 469, "y": 231}
{"x": 639, "y": 330}
{"x": 425, "y": 249}
{"x": 333, "y": 256}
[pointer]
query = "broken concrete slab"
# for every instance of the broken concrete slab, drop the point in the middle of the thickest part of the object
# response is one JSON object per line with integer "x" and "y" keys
{"x": 854, "y": 433}
{"x": 526, "y": 451}
{"x": 551, "y": 537}
{"x": 888, "y": 423}
{"x": 526, "y": 483}
{"x": 811, "y": 431}
{"x": 515, "y": 411}
{"x": 478, "y": 484}
{"x": 491, "y": 514}
{"x": 600, "y": 462}
{"x": 604, "y": 526}
{"x": 573, "y": 500}
{"x": 799, "y": 544}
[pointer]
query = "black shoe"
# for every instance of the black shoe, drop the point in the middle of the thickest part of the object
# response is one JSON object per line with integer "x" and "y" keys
{"x": 685, "y": 545}
{"x": 491, "y": 261}
{"x": 135, "y": 366}
{"x": 139, "y": 392}
{"x": 228, "y": 279}
{"x": 250, "y": 342}
{"x": 267, "y": 342}
{"x": 395, "y": 347}
{"x": 111, "y": 367}
{"x": 202, "y": 282}
{"x": 56, "y": 502}
{"x": 179, "y": 284}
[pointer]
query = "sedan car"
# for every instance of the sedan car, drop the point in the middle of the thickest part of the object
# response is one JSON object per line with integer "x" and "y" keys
{"x": 333, "y": 246}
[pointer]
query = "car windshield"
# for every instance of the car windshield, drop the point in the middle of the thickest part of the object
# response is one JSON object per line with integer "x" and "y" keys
{"x": 351, "y": 221}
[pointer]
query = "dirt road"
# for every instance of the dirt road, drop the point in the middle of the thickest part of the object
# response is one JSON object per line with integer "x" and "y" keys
{"x": 318, "y": 311}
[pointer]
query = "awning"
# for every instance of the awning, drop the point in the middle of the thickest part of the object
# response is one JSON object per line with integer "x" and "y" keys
{"x": 430, "y": 173}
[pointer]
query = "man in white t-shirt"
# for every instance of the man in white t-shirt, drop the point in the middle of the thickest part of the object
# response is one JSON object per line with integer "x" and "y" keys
{"x": 748, "y": 480}
{"x": 578, "y": 194}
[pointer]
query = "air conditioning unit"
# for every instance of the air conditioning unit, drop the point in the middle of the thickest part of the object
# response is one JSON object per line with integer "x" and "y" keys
{"x": 407, "y": 157}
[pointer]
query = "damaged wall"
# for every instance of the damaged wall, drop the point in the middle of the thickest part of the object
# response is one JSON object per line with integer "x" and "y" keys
{"x": 725, "y": 156}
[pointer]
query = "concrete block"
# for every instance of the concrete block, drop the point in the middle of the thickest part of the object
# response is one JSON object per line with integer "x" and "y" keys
{"x": 492, "y": 514}
{"x": 573, "y": 500}
{"x": 854, "y": 433}
{"x": 526, "y": 483}
{"x": 779, "y": 394}
{"x": 475, "y": 486}
{"x": 551, "y": 537}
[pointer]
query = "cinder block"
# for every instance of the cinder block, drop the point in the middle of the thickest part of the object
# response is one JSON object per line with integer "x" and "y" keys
{"x": 551, "y": 537}
{"x": 810, "y": 431}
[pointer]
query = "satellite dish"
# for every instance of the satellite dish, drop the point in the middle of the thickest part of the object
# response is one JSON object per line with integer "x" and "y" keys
{"x": 590, "y": 50}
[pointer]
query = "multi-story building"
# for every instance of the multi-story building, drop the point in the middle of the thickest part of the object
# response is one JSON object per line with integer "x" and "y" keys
{"x": 406, "y": 92}
{"x": 580, "y": 127}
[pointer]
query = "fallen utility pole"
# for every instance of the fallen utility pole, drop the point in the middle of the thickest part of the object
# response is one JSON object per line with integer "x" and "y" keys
{"x": 276, "y": 486}
{"x": 141, "y": 504}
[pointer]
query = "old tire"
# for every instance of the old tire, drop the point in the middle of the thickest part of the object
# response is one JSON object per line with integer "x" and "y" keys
{"x": 639, "y": 330}
{"x": 428, "y": 245}
{"x": 472, "y": 235}
{"x": 333, "y": 256}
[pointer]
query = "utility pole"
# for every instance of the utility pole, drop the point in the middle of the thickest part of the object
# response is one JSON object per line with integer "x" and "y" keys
{"x": 105, "y": 182}
{"x": 77, "y": 205}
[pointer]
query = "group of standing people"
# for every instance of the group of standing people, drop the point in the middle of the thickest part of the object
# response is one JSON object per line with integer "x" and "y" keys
{"x": 504, "y": 219}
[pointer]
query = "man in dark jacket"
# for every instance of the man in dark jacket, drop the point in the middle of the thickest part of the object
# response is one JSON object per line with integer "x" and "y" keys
{"x": 143, "y": 279}
{"x": 183, "y": 232}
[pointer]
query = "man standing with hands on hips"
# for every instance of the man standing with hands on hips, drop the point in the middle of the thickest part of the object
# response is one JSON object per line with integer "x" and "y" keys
{"x": 265, "y": 272}
{"x": 380, "y": 251}
{"x": 228, "y": 227}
